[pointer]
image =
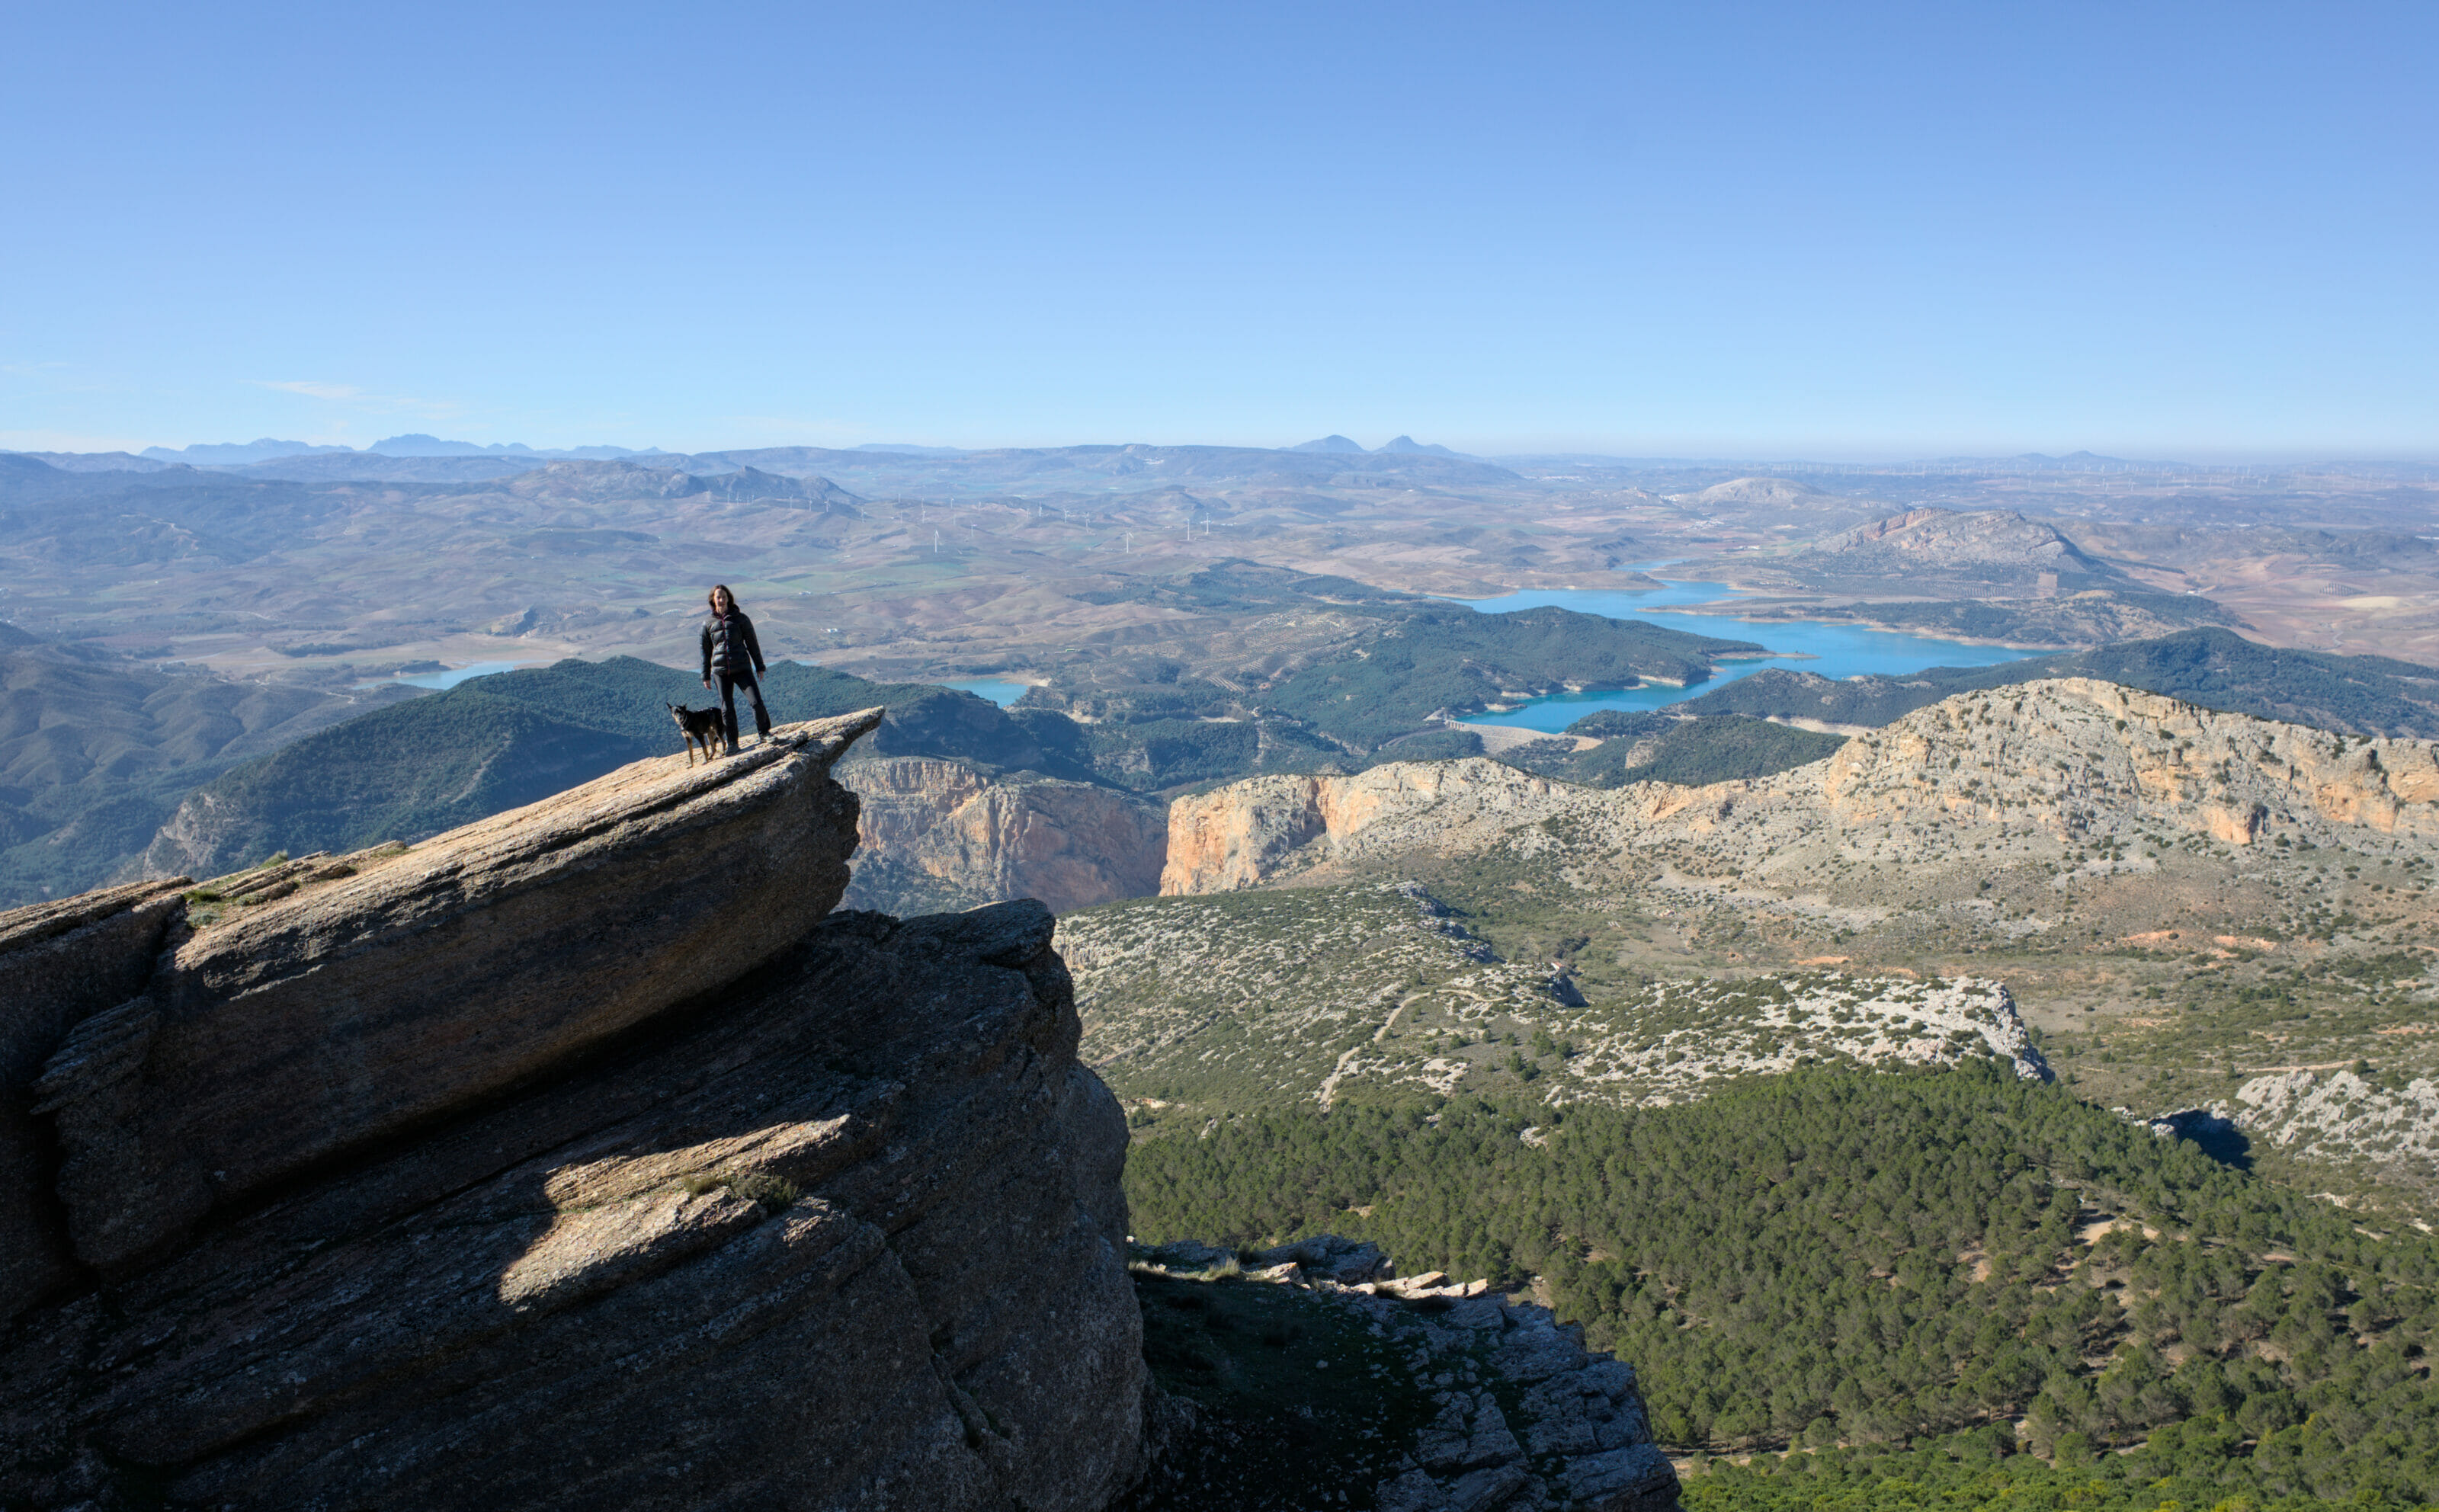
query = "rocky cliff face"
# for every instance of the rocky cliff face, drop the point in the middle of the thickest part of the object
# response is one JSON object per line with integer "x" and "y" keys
{"x": 59, "y": 964}
{"x": 938, "y": 833}
{"x": 1241, "y": 834}
{"x": 2068, "y": 761}
{"x": 580, "y": 1158}
{"x": 1515, "y": 1413}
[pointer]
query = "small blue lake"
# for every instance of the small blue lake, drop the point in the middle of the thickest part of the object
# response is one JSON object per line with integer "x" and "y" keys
{"x": 998, "y": 689}
{"x": 448, "y": 677}
{"x": 1812, "y": 646}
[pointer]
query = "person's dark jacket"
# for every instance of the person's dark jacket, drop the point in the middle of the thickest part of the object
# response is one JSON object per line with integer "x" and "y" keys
{"x": 729, "y": 646}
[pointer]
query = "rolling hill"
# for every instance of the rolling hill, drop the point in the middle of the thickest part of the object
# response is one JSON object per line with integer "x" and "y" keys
{"x": 496, "y": 742}
{"x": 97, "y": 750}
{"x": 2213, "y": 668}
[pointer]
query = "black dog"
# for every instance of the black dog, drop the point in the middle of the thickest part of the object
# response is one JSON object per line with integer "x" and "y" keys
{"x": 700, "y": 727}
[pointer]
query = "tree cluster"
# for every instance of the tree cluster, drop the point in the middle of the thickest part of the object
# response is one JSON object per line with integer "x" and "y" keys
{"x": 1875, "y": 1260}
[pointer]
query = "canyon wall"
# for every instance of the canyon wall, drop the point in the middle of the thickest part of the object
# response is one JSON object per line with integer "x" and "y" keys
{"x": 938, "y": 834}
{"x": 579, "y": 1158}
{"x": 2070, "y": 760}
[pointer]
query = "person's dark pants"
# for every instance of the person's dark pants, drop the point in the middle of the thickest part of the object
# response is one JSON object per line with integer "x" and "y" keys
{"x": 728, "y": 686}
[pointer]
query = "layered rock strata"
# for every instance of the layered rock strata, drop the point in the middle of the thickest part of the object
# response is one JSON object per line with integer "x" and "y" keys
{"x": 576, "y": 1159}
{"x": 409, "y": 989}
{"x": 59, "y": 963}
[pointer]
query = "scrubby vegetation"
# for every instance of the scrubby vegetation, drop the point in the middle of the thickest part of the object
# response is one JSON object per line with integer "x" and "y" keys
{"x": 2077, "y": 618}
{"x": 1658, "y": 748}
{"x": 1875, "y": 1260}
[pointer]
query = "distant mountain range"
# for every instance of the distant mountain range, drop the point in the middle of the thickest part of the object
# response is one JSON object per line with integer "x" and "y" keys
{"x": 875, "y": 472}
{"x": 1402, "y": 445}
{"x": 265, "y": 449}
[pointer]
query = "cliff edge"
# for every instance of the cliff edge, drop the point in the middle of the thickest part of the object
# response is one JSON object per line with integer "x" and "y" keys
{"x": 581, "y": 1157}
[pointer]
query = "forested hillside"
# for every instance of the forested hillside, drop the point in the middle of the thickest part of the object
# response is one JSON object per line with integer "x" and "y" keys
{"x": 97, "y": 750}
{"x": 2215, "y": 668}
{"x": 1660, "y": 747}
{"x": 499, "y": 741}
{"x": 1883, "y": 1261}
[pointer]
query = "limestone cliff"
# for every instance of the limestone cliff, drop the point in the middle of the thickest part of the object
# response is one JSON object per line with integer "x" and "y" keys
{"x": 2069, "y": 761}
{"x": 582, "y": 1158}
{"x": 1240, "y": 834}
{"x": 937, "y": 833}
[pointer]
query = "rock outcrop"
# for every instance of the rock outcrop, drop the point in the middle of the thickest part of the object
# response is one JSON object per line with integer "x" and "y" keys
{"x": 1239, "y": 835}
{"x": 1526, "y": 1417}
{"x": 579, "y": 1158}
{"x": 937, "y": 833}
{"x": 2070, "y": 760}
{"x": 1370, "y": 993}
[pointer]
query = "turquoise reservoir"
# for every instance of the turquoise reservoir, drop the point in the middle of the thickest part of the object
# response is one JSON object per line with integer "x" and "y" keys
{"x": 998, "y": 689}
{"x": 449, "y": 678}
{"x": 1810, "y": 646}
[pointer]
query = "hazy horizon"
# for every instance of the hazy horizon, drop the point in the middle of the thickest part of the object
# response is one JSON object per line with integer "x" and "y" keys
{"x": 648, "y": 450}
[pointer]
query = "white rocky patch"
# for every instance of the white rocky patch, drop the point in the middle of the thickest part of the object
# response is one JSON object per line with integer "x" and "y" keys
{"x": 1873, "y": 1021}
{"x": 1304, "y": 995}
{"x": 2340, "y": 1115}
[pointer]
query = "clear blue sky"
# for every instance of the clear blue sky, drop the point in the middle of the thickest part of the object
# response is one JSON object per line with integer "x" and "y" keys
{"x": 1819, "y": 229}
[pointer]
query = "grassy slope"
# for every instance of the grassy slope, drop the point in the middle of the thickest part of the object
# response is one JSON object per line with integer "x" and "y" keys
{"x": 1277, "y": 1000}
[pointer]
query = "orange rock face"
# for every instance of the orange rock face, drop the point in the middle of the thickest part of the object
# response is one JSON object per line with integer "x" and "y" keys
{"x": 2070, "y": 757}
{"x": 944, "y": 834}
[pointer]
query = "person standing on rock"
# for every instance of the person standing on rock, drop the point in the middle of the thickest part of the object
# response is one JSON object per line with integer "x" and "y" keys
{"x": 732, "y": 655}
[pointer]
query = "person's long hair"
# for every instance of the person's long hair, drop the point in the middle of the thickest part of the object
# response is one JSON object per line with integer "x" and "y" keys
{"x": 713, "y": 598}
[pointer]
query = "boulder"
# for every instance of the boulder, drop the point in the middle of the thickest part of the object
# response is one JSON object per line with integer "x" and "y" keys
{"x": 599, "y": 1169}
{"x": 1327, "y": 1257}
{"x": 429, "y": 980}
